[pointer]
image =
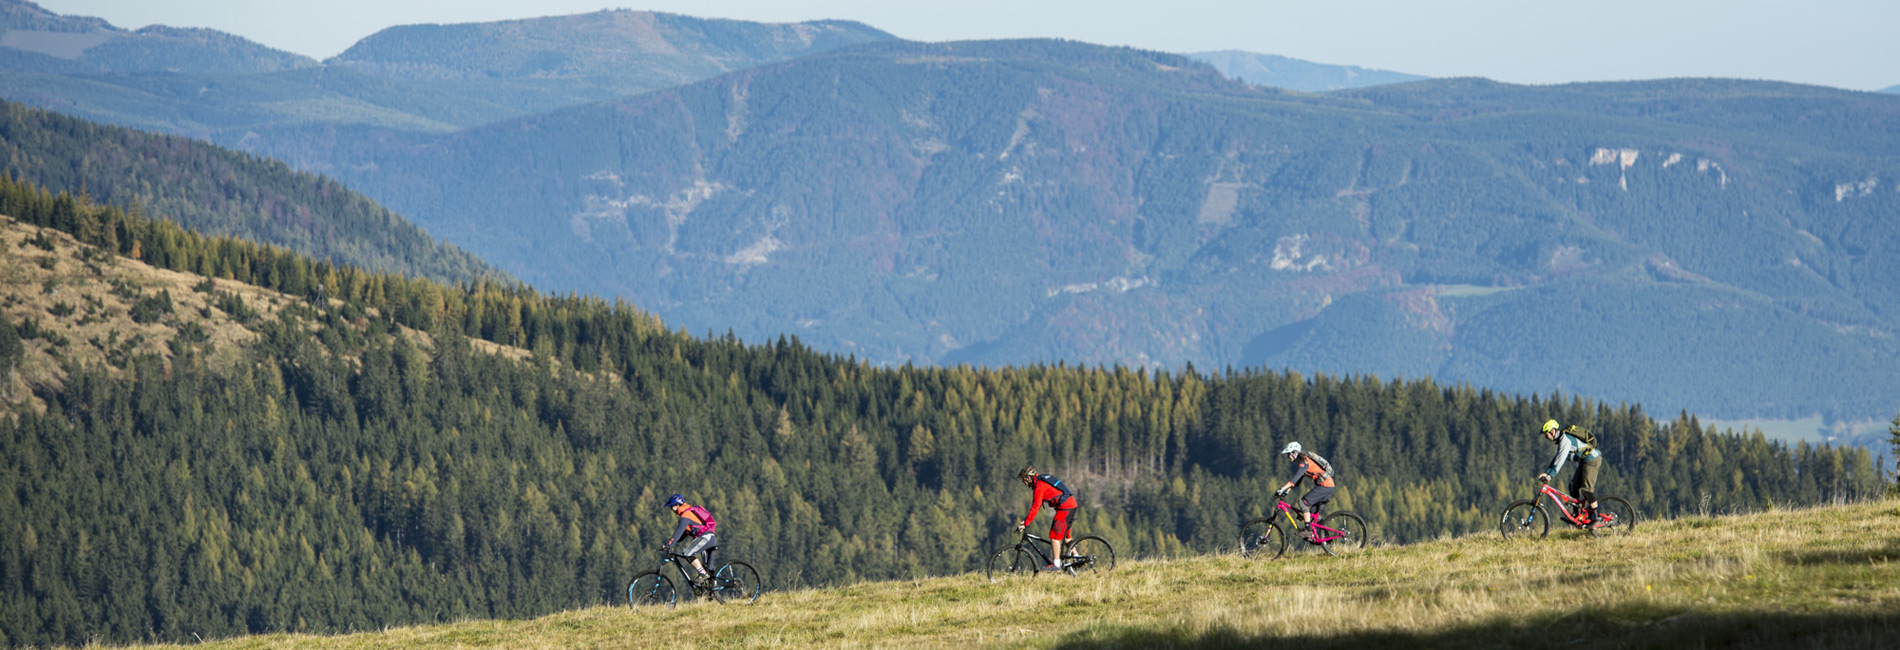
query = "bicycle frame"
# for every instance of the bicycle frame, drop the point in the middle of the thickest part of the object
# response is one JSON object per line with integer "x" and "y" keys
{"x": 679, "y": 562}
{"x": 1029, "y": 542}
{"x": 1563, "y": 502}
{"x": 1330, "y": 532}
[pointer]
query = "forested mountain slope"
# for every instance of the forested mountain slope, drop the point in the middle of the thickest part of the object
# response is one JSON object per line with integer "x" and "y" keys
{"x": 384, "y": 450}
{"x": 1296, "y": 74}
{"x": 219, "y": 191}
{"x": 413, "y": 78}
{"x": 1707, "y": 244}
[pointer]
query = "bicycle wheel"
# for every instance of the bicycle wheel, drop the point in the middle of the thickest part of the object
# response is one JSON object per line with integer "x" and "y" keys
{"x": 1351, "y": 535}
{"x": 651, "y": 589}
{"x": 1088, "y": 554}
{"x": 1524, "y": 520}
{"x": 1011, "y": 560}
{"x": 737, "y": 582}
{"x": 1619, "y": 514}
{"x": 1262, "y": 538}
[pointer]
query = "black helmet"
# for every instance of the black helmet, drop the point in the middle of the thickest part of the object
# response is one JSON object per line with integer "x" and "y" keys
{"x": 675, "y": 500}
{"x": 1028, "y": 472}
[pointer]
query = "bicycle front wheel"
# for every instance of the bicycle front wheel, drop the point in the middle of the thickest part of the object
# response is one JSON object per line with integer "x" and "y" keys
{"x": 738, "y": 583}
{"x": 1347, "y": 534}
{"x": 651, "y": 589}
{"x": 1088, "y": 554}
{"x": 1262, "y": 538}
{"x": 1011, "y": 560}
{"x": 1618, "y": 516}
{"x": 1524, "y": 520}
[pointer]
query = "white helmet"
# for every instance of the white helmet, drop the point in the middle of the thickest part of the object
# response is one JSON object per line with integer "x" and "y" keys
{"x": 1291, "y": 448}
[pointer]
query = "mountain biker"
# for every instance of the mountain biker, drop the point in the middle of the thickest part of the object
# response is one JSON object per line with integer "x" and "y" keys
{"x": 1576, "y": 444}
{"x": 1308, "y": 465}
{"x": 1046, "y": 488}
{"x": 695, "y": 522}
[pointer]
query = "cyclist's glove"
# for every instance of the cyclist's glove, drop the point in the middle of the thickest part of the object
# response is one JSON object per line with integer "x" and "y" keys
{"x": 1021, "y": 528}
{"x": 1281, "y": 492}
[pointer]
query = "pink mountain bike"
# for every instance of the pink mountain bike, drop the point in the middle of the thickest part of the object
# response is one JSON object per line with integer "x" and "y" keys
{"x": 1338, "y": 533}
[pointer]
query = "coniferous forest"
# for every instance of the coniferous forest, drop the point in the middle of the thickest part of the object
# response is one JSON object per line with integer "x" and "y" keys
{"x": 383, "y": 453}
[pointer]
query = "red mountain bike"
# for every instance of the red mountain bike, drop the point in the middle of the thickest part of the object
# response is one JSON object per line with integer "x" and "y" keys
{"x": 1337, "y": 533}
{"x": 1529, "y": 519}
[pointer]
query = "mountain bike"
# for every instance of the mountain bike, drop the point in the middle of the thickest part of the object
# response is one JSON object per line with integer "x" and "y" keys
{"x": 1338, "y": 533}
{"x": 1528, "y": 518}
{"x": 1085, "y": 554}
{"x": 734, "y": 582}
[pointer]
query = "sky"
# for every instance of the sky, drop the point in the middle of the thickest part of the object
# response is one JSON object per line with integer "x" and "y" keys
{"x": 1842, "y": 43}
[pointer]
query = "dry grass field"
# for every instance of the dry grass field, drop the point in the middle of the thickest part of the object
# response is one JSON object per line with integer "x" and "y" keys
{"x": 1813, "y": 578}
{"x": 85, "y": 299}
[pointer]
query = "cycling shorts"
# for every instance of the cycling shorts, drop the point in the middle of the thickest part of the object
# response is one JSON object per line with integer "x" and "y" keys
{"x": 1059, "y": 526}
{"x": 1316, "y": 498}
{"x": 702, "y": 543}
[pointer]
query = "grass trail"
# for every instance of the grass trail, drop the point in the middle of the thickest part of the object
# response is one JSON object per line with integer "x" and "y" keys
{"x": 1814, "y": 578}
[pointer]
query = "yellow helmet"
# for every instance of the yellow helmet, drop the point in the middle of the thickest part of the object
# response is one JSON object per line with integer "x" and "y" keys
{"x": 1550, "y": 425}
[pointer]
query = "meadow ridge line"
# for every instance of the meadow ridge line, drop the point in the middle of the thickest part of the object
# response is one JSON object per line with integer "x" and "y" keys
{"x": 1819, "y": 577}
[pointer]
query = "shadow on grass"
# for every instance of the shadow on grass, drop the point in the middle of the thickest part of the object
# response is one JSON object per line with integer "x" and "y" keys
{"x": 1888, "y": 553}
{"x": 1630, "y": 626}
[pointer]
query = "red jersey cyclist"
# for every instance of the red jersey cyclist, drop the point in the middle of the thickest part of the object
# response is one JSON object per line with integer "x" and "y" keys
{"x": 1050, "y": 490}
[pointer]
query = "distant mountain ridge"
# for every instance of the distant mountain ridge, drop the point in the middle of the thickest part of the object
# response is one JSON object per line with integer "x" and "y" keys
{"x": 35, "y": 40}
{"x": 1296, "y": 74}
{"x": 1891, "y": 89}
{"x": 1022, "y": 201}
{"x": 410, "y": 79}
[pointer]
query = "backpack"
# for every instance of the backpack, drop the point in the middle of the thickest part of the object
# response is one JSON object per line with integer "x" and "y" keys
{"x": 1326, "y": 469}
{"x": 1589, "y": 439}
{"x": 1058, "y": 485}
{"x": 708, "y": 525}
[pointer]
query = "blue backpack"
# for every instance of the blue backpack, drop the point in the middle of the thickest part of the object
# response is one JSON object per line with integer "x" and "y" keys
{"x": 1058, "y": 485}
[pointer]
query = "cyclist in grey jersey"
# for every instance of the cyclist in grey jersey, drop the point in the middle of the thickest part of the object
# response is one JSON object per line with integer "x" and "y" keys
{"x": 1583, "y": 484}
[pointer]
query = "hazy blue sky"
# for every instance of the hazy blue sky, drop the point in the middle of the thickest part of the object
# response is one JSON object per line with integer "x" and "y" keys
{"x": 1845, "y": 43}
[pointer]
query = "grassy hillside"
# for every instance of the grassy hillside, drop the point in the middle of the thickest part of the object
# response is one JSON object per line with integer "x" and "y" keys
{"x": 1816, "y": 578}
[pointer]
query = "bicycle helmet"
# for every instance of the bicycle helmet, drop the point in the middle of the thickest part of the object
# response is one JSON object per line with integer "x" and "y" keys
{"x": 675, "y": 500}
{"x": 1291, "y": 448}
{"x": 1550, "y": 425}
{"x": 1029, "y": 472}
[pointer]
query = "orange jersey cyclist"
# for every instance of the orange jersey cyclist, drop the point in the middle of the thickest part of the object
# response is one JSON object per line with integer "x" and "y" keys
{"x": 696, "y": 524}
{"x": 1308, "y": 465}
{"x": 1048, "y": 489}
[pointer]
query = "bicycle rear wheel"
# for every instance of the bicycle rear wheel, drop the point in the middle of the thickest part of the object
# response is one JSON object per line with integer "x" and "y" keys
{"x": 1620, "y": 517}
{"x": 1524, "y": 520}
{"x": 651, "y": 589}
{"x": 1350, "y": 529}
{"x": 1088, "y": 554}
{"x": 736, "y": 582}
{"x": 1262, "y": 538}
{"x": 1011, "y": 561}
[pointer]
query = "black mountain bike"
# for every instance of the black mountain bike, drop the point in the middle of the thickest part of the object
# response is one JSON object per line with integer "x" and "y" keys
{"x": 735, "y": 582}
{"x": 1085, "y": 554}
